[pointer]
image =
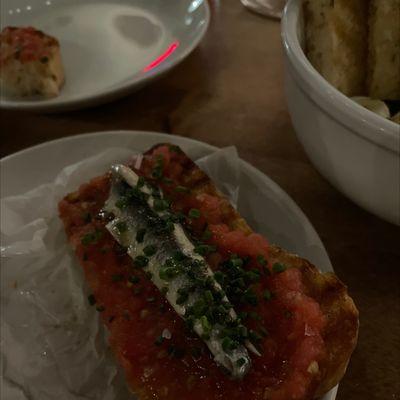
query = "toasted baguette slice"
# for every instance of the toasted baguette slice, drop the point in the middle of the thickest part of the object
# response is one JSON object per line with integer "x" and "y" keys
{"x": 384, "y": 50}
{"x": 336, "y": 42}
{"x": 30, "y": 63}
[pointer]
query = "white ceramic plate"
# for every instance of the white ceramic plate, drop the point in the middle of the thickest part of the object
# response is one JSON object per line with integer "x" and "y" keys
{"x": 274, "y": 213}
{"x": 109, "y": 47}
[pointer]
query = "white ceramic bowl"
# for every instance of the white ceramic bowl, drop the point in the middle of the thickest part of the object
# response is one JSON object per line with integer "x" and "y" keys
{"x": 355, "y": 149}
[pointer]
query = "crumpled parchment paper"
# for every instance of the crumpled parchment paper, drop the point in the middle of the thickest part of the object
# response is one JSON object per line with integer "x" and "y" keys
{"x": 52, "y": 343}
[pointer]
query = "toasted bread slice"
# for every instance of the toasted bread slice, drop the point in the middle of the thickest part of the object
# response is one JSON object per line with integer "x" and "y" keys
{"x": 132, "y": 334}
{"x": 30, "y": 63}
{"x": 336, "y": 42}
{"x": 384, "y": 50}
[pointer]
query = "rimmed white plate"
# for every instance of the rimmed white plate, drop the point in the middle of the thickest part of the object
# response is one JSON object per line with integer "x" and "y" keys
{"x": 273, "y": 214}
{"x": 109, "y": 47}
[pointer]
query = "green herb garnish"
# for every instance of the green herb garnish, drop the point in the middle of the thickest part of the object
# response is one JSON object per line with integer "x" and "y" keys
{"x": 159, "y": 341}
{"x": 92, "y": 237}
{"x": 204, "y": 249}
{"x": 160, "y": 205}
{"x": 277, "y": 268}
{"x": 141, "y": 261}
{"x": 121, "y": 226}
{"x": 134, "y": 279}
{"x": 182, "y": 189}
{"x": 140, "y": 235}
{"x": 91, "y": 300}
{"x": 117, "y": 278}
{"x": 150, "y": 250}
{"x": 241, "y": 362}
{"x": 267, "y": 295}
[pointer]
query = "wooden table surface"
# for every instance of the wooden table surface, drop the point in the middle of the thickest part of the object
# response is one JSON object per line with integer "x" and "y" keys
{"x": 230, "y": 91}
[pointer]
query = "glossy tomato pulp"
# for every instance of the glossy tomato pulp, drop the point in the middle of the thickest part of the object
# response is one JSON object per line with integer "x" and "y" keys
{"x": 25, "y": 44}
{"x": 161, "y": 358}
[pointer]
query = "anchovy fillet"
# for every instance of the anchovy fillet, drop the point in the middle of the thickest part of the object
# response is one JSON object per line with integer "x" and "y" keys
{"x": 141, "y": 214}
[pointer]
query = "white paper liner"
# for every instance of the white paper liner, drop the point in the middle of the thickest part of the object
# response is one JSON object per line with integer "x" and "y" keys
{"x": 53, "y": 345}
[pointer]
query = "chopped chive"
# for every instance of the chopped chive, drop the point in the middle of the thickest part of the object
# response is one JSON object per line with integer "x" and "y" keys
{"x": 206, "y": 235}
{"x": 134, "y": 279}
{"x": 278, "y": 267}
{"x": 168, "y": 181}
{"x": 208, "y": 296}
{"x": 121, "y": 226}
{"x": 100, "y": 308}
{"x": 261, "y": 260}
{"x": 164, "y": 290}
{"x": 250, "y": 297}
{"x": 85, "y": 256}
{"x": 168, "y": 273}
{"x": 178, "y": 256}
{"x": 199, "y": 308}
{"x": 194, "y": 213}
{"x": 91, "y": 237}
{"x": 267, "y": 295}
{"x": 140, "y": 235}
{"x": 219, "y": 277}
{"x": 174, "y": 148}
{"x": 228, "y": 344}
{"x": 151, "y": 299}
{"x": 161, "y": 204}
{"x": 182, "y": 189}
{"x": 150, "y": 250}
{"x": 149, "y": 275}
{"x": 254, "y": 336}
{"x": 121, "y": 203}
{"x": 204, "y": 249}
{"x": 176, "y": 352}
{"x": 157, "y": 172}
{"x": 205, "y": 324}
{"x": 236, "y": 262}
{"x": 255, "y": 316}
{"x": 117, "y": 278}
{"x": 169, "y": 226}
{"x": 141, "y": 261}
{"x": 182, "y": 298}
{"x": 241, "y": 362}
{"x": 288, "y": 314}
{"x": 91, "y": 300}
{"x": 140, "y": 182}
{"x": 196, "y": 352}
{"x": 243, "y": 315}
{"x": 159, "y": 341}
{"x": 87, "y": 217}
{"x": 253, "y": 275}
{"x": 137, "y": 290}
{"x": 263, "y": 331}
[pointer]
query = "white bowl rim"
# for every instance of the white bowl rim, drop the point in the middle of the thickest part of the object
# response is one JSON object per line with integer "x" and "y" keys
{"x": 359, "y": 120}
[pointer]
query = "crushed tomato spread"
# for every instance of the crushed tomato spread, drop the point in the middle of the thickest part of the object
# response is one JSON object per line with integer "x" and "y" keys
{"x": 162, "y": 359}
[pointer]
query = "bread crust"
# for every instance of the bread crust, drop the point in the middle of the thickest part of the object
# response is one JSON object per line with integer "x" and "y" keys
{"x": 336, "y": 42}
{"x": 25, "y": 72}
{"x": 341, "y": 331}
{"x": 384, "y": 50}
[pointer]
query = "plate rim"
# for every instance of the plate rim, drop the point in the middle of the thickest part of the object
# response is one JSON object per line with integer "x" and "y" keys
{"x": 114, "y": 92}
{"x": 331, "y": 395}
